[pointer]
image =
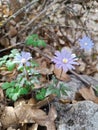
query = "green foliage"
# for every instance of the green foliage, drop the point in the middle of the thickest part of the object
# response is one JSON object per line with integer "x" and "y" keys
{"x": 13, "y": 91}
{"x": 13, "y": 53}
{"x": 35, "y": 41}
{"x": 28, "y": 76}
{"x": 7, "y": 60}
{"x": 41, "y": 94}
{"x": 25, "y": 79}
{"x": 3, "y": 60}
{"x": 10, "y": 65}
{"x": 96, "y": 89}
{"x": 57, "y": 88}
{"x": 21, "y": 85}
{"x": 53, "y": 88}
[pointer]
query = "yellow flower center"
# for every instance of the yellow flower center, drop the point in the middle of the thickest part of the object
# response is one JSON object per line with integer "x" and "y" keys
{"x": 85, "y": 43}
{"x": 23, "y": 60}
{"x": 65, "y": 60}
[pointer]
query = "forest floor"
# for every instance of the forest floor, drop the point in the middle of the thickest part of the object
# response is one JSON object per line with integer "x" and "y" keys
{"x": 48, "y": 64}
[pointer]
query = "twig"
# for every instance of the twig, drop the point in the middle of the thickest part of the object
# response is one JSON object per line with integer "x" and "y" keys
{"x": 10, "y": 47}
{"x": 18, "y": 12}
{"x": 45, "y": 101}
{"x": 68, "y": 26}
{"x": 81, "y": 78}
{"x": 38, "y": 16}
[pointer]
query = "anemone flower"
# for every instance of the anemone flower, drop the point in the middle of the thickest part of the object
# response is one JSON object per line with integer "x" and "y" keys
{"x": 86, "y": 43}
{"x": 65, "y": 60}
{"x": 23, "y": 58}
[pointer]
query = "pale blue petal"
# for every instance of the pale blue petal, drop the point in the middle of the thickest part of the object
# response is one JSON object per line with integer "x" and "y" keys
{"x": 28, "y": 64}
{"x": 65, "y": 68}
{"x": 59, "y": 66}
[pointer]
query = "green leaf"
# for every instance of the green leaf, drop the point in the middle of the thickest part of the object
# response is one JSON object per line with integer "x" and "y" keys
{"x": 9, "y": 91}
{"x": 41, "y": 94}
{"x": 35, "y": 41}
{"x": 15, "y": 96}
{"x": 52, "y": 91}
{"x": 12, "y": 83}
{"x": 29, "y": 40}
{"x": 5, "y": 85}
{"x": 97, "y": 89}
{"x": 41, "y": 43}
{"x": 34, "y": 64}
{"x": 5, "y": 57}
{"x": 10, "y": 65}
{"x": 1, "y": 63}
{"x": 23, "y": 91}
{"x": 3, "y": 60}
{"x": 14, "y": 52}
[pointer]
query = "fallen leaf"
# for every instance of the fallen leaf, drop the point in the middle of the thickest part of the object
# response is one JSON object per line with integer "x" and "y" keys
{"x": 88, "y": 94}
{"x": 81, "y": 66}
{"x": 61, "y": 75}
{"x": 12, "y": 31}
{"x": 47, "y": 100}
{"x": 26, "y": 114}
{"x": 1, "y": 94}
{"x": 32, "y": 101}
{"x": 48, "y": 120}
{"x": 52, "y": 113}
{"x": 65, "y": 101}
{"x": 34, "y": 127}
{"x": 78, "y": 97}
{"x": 4, "y": 41}
{"x": 8, "y": 117}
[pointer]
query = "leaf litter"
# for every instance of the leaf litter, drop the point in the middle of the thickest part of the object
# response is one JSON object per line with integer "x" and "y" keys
{"x": 51, "y": 26}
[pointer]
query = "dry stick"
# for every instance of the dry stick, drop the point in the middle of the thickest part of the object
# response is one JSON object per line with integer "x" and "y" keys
{"x": 41, "y": 13}
{"x": 66, "y": 26}
{"x": 18, "y": 12}
{"x": 10, "y": 47}
{"x": 45, "y": 101}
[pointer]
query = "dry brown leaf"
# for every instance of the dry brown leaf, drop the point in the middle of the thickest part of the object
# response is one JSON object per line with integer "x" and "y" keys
{"x": 12, "y": 31}
{"x": 32, "y": 101}
{"x": 4, "y": 41}
{"x": 48, "y": 121}
{"x": 78, "y": 97}
{"x": 82, "y": 66}
{"x": 43, "y": 66}
{"x": 88, "y": 94}
{"x": 52, "y": 113}
{"x": 13, "y": 40}
{"x": 8, "y": 117}
{"x": 65, "y": 101}
{"x": 12, "y": 22}
{"x": 33, "y": 127}
{"x": 43, "y": 69}
{"x": 22, "y": 113}
{"x": 1, "y": 94}
{"x": 61, "y": 75}
{"x": 26, "y": 114}
{"x": 19, "y": 102}
{"x": 8, "y": 76}
{"x": 47, "y": 100}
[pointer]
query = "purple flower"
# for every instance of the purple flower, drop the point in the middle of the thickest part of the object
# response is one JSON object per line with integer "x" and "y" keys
{"x": 86, "y": 43}
{"x": 23, "y": 58}
{"x": 65, "y": 60}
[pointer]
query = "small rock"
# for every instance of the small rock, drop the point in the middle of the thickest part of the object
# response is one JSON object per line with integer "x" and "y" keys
{"x": 80, "y": 116}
